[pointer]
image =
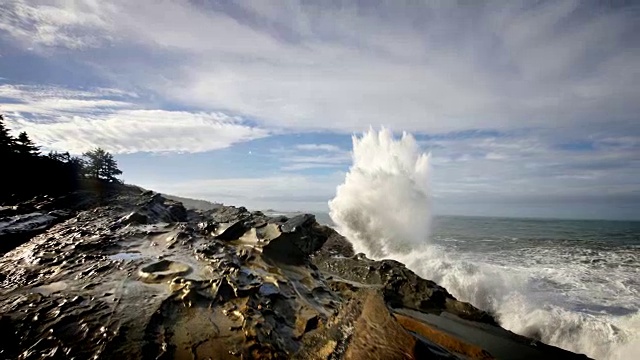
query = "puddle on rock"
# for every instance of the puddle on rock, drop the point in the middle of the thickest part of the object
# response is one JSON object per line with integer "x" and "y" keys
{"x": 163, "y": 270}
{"x": 49, "y": 289}
{"x": 126, "y": 256}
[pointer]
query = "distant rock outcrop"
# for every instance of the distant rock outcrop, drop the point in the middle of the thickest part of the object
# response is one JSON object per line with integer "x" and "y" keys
{"x": 137, "y": 276}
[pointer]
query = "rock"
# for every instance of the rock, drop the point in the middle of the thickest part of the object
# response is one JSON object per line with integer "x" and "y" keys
{"x": 59, "y": 214}
{"x": 280, "y": 219}
{"x": 300, "y": 237}
{"x": 401, "y": 286}
{"x": 15, "y": 230}
{"x": 336, "y": 244}
{"x": 224, "y": 283}
{"x": 296, "y": 222}
{"x": 365, "y": 329}
{"x": 225, "y": 214}
{"x": 231, "y": 231}
{"x": 376, "y": 334}
{"x": 135, "y": 217}
{"x": 443, "y": 339}
{"x": 6, "y": 211}
{"x": 177, "y": 211}
{"x": 163, "y": 269}
{"x": 304, "y": 324}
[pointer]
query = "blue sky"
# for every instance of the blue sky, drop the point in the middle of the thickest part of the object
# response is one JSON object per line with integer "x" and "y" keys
{"x": 528, "y": 108}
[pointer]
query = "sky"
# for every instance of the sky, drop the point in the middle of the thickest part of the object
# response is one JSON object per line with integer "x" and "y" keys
{"x": 527, "y": 108}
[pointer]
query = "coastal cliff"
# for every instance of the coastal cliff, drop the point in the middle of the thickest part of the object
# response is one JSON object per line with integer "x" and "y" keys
{"x": 130, "y": 274}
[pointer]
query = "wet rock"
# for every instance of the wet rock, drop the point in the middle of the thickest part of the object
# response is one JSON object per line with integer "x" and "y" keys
{"x": 161, "y": 210}
{"x": 226, "y": 214}
{"x": 449, "y": 342}
{"x": 300, "y": 237}
{"x": 15, "y": 230}
{"x": 163, "y": 270}
{"x": 223, "y": 283}
{"x": 376, "y": 334}
{"x": 296, "y": 222}
{"x": 304, "y": 324}
{"x": 365, "y": 329}
{"x": 177, "y": 211}
{"x": 269, "y": 290}
{"x": 231, "y": 231}
{"x": 280, "y": 219}
{"x": 135, "y": 217}
{"x": 336, "y": 244}
{"x": 401, "y": 286}
{"x": 8, "y": 211}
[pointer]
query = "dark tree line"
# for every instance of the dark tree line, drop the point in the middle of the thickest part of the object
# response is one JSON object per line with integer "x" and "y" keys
{"x": 26, "y": 172}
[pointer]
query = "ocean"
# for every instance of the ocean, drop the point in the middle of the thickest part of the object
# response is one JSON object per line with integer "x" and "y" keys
{"x": 575, "y": 284}
{"x": 572, "y": 284}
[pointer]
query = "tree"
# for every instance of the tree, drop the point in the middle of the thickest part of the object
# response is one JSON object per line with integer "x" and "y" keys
{"x": 61, "y": 157}
{"x": 24, "y": 145}
{"x": 101, "y": 165}
{"x": 6, "y": 140}
{"x": 76, "y": 164}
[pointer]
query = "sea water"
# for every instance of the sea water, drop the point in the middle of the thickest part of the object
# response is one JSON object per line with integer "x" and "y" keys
{"x": 573, "y": 284}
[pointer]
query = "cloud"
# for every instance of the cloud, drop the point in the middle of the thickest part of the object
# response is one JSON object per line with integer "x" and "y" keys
{"x": 312, "y": 156}
{"x": 54, "y": 101}
{"x": 289, "y": 193}
{"x": 344, "y": 67}
{"x": 76, "y": 121}
{"x": 77, "y": 25}
{"x": 532, "y": 168}
{"x": 319, "y": 147}
{"x": 523, "y": 100}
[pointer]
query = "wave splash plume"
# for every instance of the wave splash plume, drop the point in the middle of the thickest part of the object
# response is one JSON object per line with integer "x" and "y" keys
{"x": 383, "y": 205}
{"x": 383, "y": 208}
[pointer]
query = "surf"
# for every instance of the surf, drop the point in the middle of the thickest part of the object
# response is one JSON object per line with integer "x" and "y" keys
{"x": 384, "y": 208}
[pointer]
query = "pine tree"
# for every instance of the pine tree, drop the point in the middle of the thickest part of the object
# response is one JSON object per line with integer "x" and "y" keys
{"x": 101, "y": 165}
{"x": 7, "y": 142}
{"x": 61, "y": 157}
{"x": 24, "y": 145}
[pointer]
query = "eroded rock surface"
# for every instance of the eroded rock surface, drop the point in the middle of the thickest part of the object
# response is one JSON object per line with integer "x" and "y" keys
{"x": 141, "y": 277}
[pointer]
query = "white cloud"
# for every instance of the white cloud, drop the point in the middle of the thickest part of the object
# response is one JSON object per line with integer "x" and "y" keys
{"x": 129, "y": 131}
{"x": 76, "y": 121}
{"x": 433, "y": 67}
{"x": 71, "y": 24}
{"x": 551, "y": 70}
{"x": 532, "y": 168}
{"x": 288, "y": 193}
{"x": 53, "y": 101}
{"x": 319, "y": 147}
{"x": 312, "y": 156}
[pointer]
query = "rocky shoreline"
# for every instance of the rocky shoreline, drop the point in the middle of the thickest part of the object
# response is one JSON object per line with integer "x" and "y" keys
{"x": 130, "y": 274}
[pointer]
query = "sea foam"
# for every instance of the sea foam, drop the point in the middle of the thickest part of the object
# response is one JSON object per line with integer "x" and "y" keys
{"x": 383, "y": 208}
{"x": 383, "y": 205}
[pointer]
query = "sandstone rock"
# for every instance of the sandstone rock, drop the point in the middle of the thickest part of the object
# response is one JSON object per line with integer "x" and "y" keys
{"x": 15, "y": 230}
{"x": 135, "y": 217}
{"x": 224, "y": 284}
{"x": 300, "y": 237}
{"x": 231, "y": 231}
{"x": 401, "y": 286}
{"x": 299, "y": 221}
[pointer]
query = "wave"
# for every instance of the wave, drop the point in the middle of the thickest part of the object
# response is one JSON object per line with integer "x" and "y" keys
{"x": 383, "y": 208}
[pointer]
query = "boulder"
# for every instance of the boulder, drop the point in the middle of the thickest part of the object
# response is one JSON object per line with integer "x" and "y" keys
{"x": 401, "y": 287}
{"x": 18, "y": 229}
{"x": 135, "y": 217}
{"x": 299, "y": 238}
